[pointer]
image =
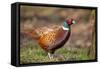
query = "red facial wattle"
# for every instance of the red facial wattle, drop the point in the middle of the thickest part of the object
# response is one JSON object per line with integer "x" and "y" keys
{"x": 69, "y": 21}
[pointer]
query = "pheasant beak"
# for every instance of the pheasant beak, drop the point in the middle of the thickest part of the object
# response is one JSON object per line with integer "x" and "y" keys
{"x": 74, "y": 21}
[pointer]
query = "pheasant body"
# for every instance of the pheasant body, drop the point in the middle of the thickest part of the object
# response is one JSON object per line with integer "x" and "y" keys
{"x": 52, "y": 38}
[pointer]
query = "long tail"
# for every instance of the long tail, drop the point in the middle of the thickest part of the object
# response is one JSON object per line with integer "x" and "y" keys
{"x": 31, "y": 33}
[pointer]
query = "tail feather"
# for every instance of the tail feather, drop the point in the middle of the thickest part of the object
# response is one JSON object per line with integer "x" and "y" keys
{"x": 31, "y": 33}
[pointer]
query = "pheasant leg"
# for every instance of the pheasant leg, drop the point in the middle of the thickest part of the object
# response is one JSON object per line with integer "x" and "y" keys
{"x": 50, "y": 55}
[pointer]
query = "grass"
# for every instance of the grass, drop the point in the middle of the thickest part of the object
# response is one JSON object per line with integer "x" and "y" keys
{"x": 34, "y": 54}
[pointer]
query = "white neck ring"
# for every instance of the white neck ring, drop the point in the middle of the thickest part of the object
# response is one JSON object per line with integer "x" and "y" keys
{"x": 65, "y": 28}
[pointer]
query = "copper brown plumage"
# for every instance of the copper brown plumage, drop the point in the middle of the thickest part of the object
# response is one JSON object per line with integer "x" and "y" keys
{"x": 52, "y": 38}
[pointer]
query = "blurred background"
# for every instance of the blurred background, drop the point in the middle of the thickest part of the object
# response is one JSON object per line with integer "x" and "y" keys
{"x": 81, "y": 44}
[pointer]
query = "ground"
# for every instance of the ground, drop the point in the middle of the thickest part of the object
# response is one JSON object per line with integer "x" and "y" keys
{"x": 34, "y": 54}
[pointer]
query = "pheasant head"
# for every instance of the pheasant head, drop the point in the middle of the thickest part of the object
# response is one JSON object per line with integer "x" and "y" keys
{"x": 68, "y": 22}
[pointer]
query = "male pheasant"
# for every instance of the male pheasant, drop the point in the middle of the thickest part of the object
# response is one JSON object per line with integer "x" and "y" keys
{"x": 53, "y": 38}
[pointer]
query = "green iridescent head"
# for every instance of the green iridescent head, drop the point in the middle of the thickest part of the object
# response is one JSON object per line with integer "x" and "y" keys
{"x": 69, "y": 22}
{"x": 66, "y": 25}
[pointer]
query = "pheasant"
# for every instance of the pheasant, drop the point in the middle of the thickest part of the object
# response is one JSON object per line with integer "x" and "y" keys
{"x": 51, "y": 39}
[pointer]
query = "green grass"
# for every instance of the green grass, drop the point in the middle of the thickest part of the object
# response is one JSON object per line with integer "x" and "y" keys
{"x": 34, "y": 54}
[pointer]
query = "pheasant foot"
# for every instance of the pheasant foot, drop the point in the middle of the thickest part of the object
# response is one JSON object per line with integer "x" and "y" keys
{"x": 50, "y": 55}
{"x": 59, "y": 57}
{"x": 56, "y": 56}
